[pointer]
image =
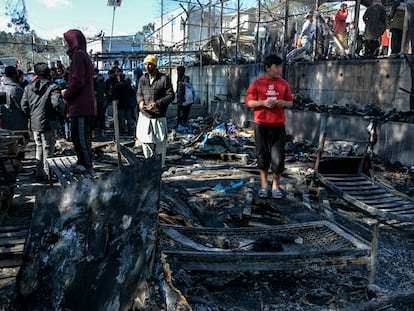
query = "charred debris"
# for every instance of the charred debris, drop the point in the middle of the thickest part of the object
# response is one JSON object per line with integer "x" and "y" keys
{"x": 195, "y": 236}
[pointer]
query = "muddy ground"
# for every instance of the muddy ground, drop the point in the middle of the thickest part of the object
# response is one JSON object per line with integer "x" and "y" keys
{"x": 193, "y": 179}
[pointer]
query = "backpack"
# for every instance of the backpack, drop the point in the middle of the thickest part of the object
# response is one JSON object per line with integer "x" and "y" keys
{"x": 189, "y": 95}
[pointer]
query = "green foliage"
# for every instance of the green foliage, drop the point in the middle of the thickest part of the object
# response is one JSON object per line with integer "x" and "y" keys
{"x": 147, "y": 29}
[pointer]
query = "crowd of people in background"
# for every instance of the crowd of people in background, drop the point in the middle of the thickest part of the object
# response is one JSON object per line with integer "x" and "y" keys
{"x": 75, "y": 102}
{"x": 143, "y": 100}
{"x": 380, "y": 33}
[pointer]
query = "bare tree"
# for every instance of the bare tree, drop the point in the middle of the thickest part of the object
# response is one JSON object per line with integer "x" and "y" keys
{"x": 16, "y": 10}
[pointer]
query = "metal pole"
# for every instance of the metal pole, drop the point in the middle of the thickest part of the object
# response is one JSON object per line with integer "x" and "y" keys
{"x": 112, "y": 30}
{"x": 221, "y": 30}
{"x": 162, "y": 23}
{"x": 33, "y": 47}
{"x": 285, "y": 39}
{"x": 258, "y": 43}
{"x": 238, "y": 32}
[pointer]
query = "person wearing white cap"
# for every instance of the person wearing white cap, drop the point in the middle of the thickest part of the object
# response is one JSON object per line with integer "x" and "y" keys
{"x": 155, "y": 93}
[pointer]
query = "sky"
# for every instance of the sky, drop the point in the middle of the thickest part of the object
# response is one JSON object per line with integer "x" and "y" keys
{"x": 51, "y": 18}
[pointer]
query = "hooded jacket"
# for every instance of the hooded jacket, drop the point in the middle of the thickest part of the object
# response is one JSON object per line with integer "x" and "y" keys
{"x": 42, "y": 100}
{"x": 13, "y": 118}
{"x": 79, "y": 95}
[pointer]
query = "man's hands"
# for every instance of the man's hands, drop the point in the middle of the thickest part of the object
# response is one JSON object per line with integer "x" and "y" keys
{"x": 150, "y": 106}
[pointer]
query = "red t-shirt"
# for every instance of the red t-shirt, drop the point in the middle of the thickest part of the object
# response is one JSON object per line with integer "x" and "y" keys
{"x": 340, "y": 20}
{"x": 264, "y": 88}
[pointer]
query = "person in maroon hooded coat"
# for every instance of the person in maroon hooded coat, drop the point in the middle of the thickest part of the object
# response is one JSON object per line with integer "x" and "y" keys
{"x": 80, "y": 98}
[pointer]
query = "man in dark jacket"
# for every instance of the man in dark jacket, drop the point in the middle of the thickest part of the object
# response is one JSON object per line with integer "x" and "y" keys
{"x": 12, "y": 117}
{"x": 43, "y": 102}
{"x": 110, "y": 86}
{"x": 99, "y": 87}
{"x": 375, "y": 23}
{"x": 80, "y": 98}
{"x": 123, "y": 93}
{"x": 155, "y": 93}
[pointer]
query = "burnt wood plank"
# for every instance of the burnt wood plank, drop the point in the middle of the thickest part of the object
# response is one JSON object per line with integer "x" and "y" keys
{"x": 344, "y": 177}
{"x": 13, "y": 228}
{"x": 395, "y": 203}
{"x": 11, "y": 250}
{"x": 382, "y": 199}
{"x": 12, "y": 241}
{"x": 64, "y": 164}
{"x": 60, "y": 166}
{"x": 72, "y": 161}
{"x": 19, "y": 233}
{"x": 367, "y": 192}
{"x": 11, "y": 262}
{"x": 53, "y": 167}
{"x": 347, "y": 183}
{"x": 395, "y": 208}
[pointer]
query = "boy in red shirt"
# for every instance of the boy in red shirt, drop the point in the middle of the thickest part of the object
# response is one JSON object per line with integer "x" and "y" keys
{"x": 269, "y": 95}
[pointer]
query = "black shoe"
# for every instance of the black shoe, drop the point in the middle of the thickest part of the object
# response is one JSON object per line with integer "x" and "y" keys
{"x": 41, "y": 178}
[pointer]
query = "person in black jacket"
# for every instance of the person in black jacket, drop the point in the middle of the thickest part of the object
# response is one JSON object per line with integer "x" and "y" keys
{"x": 155, "y": 93}
{"x": 42, "y": 100}
{"x": 99, "y": 88}
{"x": 12, "y": 117}
{"x": 123, "y": 92}
{"x": 110, "y": 86}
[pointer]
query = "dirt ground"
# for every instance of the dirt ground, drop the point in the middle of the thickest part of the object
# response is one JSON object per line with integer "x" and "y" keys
{"x": 192, "y": 177}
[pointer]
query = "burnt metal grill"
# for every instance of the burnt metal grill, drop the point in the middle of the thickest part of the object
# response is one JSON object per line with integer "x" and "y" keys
{"x": 370, "y": 196}
{"x": 317, "y": 244}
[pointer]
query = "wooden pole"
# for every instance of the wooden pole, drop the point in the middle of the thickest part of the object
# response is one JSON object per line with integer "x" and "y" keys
{"x": 374, "y": 252}
{"x": 404, "y": 34}
{"x": 116, "y": 128}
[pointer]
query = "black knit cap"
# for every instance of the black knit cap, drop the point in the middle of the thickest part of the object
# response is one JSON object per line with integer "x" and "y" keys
{"x": 42, "y": 70}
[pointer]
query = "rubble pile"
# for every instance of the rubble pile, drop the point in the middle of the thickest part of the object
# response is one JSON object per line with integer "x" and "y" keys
{"x": 352, "y": 109}
{"x": 211, "y": 181}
